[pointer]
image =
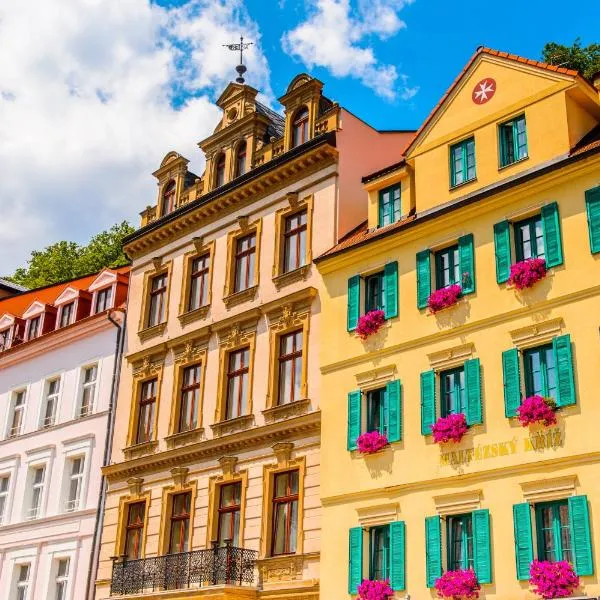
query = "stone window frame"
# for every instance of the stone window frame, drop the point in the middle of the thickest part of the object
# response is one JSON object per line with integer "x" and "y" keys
{"x": 135, "y": 495}
{"x": 201, "y": 248}
{"x": 158, "y": 268}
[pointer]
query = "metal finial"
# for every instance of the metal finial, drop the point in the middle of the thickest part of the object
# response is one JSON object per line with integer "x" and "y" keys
{"x": 241, "y": 68}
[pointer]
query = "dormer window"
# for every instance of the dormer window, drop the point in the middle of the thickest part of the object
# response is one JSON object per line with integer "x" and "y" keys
{"x": 168, "y": 199}
{"x": 220, "y": 171}
{"x": 34, "y": 328}
{"x": 300, "y": 127}
{"x": 4, "y": 339}
{"x": 67, "y": 313}
{"x": 103, "y": 300}
{"x": 240, "y": 160}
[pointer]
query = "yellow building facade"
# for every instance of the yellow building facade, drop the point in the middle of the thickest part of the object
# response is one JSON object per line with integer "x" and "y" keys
{"x": 506, "y": 169}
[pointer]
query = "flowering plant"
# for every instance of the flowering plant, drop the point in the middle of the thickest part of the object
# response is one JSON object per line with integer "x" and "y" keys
{"x": 527, "y": 272}
{"x": 375, "y": 590}
{"x": 369, "y": 323}
{"x": 450, "y": 428}
{"x": 458, "y": 585}
{"x": 552, "y": 579}
{"x": 537, "y": 409}
{"x": 444, "y": 298}
{"x": 371, "y": 442}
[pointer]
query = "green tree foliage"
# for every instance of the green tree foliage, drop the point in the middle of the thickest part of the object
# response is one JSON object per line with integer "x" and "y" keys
{"x": 585, "y": 59}
{"x": 68, "y": 260}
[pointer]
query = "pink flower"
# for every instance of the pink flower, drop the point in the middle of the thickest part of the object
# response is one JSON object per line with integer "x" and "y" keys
{"x": 527, "y": 272}
{"x": 537, "y": 409}
{"x": 553, "y": 579}
{"x": 369, "y": 323}
{"x": 371, "y": 442}
{"x": 375, "y": 590}
{"x": 458, "y": 585}
{"x": 444, "y": 298}
{"x": 450, "y": 428}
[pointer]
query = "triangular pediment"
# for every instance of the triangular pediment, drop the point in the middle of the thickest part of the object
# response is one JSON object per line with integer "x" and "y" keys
{"x": 68, "y": 295}
{"x": 35, "y": 308}
{"x": 6, "y": 321}
{"x": 103, "y": 280}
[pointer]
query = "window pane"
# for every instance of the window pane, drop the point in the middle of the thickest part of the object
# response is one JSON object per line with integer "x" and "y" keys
{"x": 279, "y": 543}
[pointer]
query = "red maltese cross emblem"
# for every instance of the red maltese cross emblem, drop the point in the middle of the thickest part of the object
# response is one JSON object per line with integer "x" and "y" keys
{"x": 484, "y": 91}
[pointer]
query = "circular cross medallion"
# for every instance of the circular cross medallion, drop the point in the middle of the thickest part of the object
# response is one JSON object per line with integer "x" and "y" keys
{"x": 484, "y": 91}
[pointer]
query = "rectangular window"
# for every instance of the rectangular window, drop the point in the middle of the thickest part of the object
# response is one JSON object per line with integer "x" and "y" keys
{"x": 67, "y": 311}
{"x": 88, "y": 390}
{"x": 38, "y": 476}
{"x": 460, "y": 542}
{"x": 75, "y": 484}
{"x": 103, "y": 300}
{"x": 199, "y": 282}
{"x": 245, "y": 258}
{"x": 290, "y": 367}
{"x": 529, "y": 238}
{"x": 285, "y": 513}
{"x": 180, "y": 523}
{"x": 34, "y": 330}
{"x": 237, "y": 383}
{"x": 462, "y": 162}
{"x": 134, "y": 530}
{"x": 51, "y": 403}
{"x": 190, "y": 399}
{"x": 553, "y": 531}
{"x": 377, "y": 411}
{"x": 4, "y": 339}
{"x": 4, "y": 483}
{"x": 230, "y": 506}
{"x": 540, "y": 372}
{"x": 146, "y": 412}
{"x": 62, "y": 579}
{"x": 447, "y": 267}
{"x": 294, "y": 242}
{"x": 389, "y": 205}
{"x": 375, "y": 292}
{"x": 22, "y": 583}
{"x": 513, "y": 141}
{"x": 18, "y": 413}
{"x": 379, "y": 553}
{"x": 158, "y": 294}
{"x": 452, "y": 392}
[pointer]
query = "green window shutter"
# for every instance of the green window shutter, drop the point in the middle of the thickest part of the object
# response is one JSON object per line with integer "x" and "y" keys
{"x": 390, "y": 274}
{"x": 552, "y": 238}
{"x": 523, "y": 539}
{"x": 427, "y": 401}
{"x": 502, "y": 250}
{"x": 592, "y": 207}
{"x": 394, "y": 407}
{"x": 511, "y": 374}
{"x": 433, "y": 549}
{"x": 481, "y": 545}
{"x": 355, "y": 559}
{"x": 467, "y": 263}
{"x": 423, "y": 278}
{"x": 581, "y": 540}
{"x": 397, "y": 556}
{"x": 354, "y": 418}
{"x": 473, "y": 383}
{"x": 564, "y": 370}
{"x": 353, "y": 302}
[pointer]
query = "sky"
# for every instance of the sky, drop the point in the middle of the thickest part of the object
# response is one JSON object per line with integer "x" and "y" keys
{"x": 94, "y": 93}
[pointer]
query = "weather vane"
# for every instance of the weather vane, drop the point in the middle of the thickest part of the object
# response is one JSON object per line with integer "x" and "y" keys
{"x": 241, "y": 69}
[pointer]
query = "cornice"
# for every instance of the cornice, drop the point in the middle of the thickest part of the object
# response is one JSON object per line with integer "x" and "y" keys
{"x": 214, "y": 448}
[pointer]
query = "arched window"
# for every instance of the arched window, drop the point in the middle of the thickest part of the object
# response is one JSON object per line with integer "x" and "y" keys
{"x": 168, "y": 198}
{"x": 240, "y": 160}
{"x": 300, "y": 127}
{"x": 220, "y": 171}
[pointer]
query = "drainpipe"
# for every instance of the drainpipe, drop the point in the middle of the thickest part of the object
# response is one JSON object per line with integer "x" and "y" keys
{"x": 90, "y": 591}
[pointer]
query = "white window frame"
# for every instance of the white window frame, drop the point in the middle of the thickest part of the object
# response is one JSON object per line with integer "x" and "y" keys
{"x": 72, "y": 449}
{"x": 11, "y": 410}
{"x": 72, "y": 505}
{"x": 111, "y": 304}
{"x": 81, "y": 387}
{"x": 46, "y": 388}
{"x": 9, "y": 467}
{"x": 5, "y": 496}
{"x": 57, "y": 579}
{"x": 32, "y": 513}
{"x": 19, "y": 584}
{"x": 41, "y": 457}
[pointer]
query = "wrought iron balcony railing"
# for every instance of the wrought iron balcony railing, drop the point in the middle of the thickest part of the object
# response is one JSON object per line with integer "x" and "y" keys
{"x": 200, "y": 568}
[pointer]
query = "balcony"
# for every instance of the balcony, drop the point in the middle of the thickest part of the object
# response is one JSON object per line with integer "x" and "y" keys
{"x": 225, "y": 565}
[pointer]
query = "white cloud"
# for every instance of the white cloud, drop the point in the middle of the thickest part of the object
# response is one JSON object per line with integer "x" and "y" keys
{"x": 86, "y": 108}
{"x": 336, "y": 37}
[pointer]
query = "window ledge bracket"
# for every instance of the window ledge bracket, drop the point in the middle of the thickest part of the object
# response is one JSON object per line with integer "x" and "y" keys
{"x": 194, "y": 315}
{"x": 299, "y": 274}
{"x": 138, "y": 450}
{"x": 238, "y": 297}
{"x": 232, "y": 425}
{"x": 286, "y": 411}
{"x": 150, "y": 332}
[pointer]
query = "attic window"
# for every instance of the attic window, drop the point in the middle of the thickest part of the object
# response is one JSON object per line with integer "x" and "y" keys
{"x": 67, "y": 312}
{"x": 103, "y": 300}
{"x": 220, "y": 171}
{"x": 240, "y": 160}
{"x": 34, "y": 330}
{"x": 168, "y": 199}
{"x": 300, "y": 127}
{"x": 4, "y": 339}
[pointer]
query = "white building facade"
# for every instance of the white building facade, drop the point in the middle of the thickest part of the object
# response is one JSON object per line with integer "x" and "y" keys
{"x": 55, "y": 398}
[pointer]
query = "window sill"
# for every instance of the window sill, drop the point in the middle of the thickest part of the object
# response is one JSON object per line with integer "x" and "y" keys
{"x": 516, "y": 162}
{"x": 182, "y": 438}
{"x": 462, "y": 300}
{"x": 137, "y": 450}
{"x": 239, "y": 297}
{"x": 367, "y": 455}
{"x": 150, "y": 332}
{"x": 286, "y": 411}
{"x": 232, "y": 425}
{"x": 299, "y": 274}
{"x": 194, "y": 315}
{"x": 462, "y": 183}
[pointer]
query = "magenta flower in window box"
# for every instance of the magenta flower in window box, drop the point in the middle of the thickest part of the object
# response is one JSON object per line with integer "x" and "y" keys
{"x": 450, "y": 428}
{"x": 375, "y": 590}
{"x": 444, "y": 298}
{"x": 458, "y": 585}
{"x": 526, "y": 273}
{"x": 369, "y": 323}
{"x": 553, "y": 579}
{"x": 371, "y": 442}
{"x": 537, "y": 409}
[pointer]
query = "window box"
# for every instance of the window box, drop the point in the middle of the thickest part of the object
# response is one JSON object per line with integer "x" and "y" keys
{"x": 444, "y": 298}
{"x": 458, "y": 584}
{"x": 537, "y": 409}
{"x": 450, "y": 429}
{"x": 370, "y": 323}
{"x": 553, "y": 579}
{"x": 371, "y": 442}
{"x": 375, "y": 590}
{"x": 527, "y": 273}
